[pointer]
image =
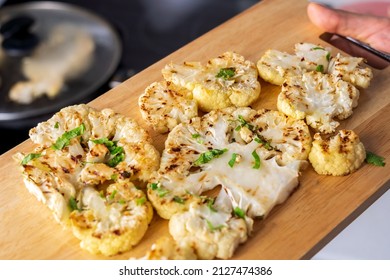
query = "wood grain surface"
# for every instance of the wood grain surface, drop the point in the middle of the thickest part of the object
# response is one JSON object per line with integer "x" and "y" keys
{"x": 318, "y": 210}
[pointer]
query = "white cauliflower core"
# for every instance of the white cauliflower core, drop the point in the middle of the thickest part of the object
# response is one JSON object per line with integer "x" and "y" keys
{"x": 228, "y": 80}
{"x": 164, "y": 106}
{"x": 339, "y": 155}
{"x": 276, "y": 66}
{"x": 319, "y": 99}
{"x": 83, "y": 171}
{"x": 255, "y": 157}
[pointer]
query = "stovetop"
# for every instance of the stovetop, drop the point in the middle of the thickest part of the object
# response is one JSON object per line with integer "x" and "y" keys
{"x": 150, "y": 30}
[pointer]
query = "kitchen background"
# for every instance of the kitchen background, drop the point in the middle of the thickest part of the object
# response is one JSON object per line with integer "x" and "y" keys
{"x": 148, "y": 29}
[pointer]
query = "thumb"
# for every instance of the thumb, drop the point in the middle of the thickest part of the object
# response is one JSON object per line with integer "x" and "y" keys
{"x": 372, "y": 30}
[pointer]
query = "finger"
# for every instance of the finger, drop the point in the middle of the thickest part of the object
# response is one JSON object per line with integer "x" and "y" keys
{"x": 373, "y": 30}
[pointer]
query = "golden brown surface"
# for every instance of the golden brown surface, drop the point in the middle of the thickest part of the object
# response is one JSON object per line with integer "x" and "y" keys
{"x": 319, "y": 209}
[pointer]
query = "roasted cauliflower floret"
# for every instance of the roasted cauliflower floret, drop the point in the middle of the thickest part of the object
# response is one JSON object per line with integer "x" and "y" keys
{"x": 350, "y": 69}
{"x": 163, "y": 107}
{"x": 275, "y": 66}
{"x": 211, "y": 232}
{"x": 339, "y": 155}
{"x": 318, "y": 98}
{"x": 112, "y": 222}
{"x": 83, "y": 152}
{"x": 210, "y": 151}
{"x": 228, "y": 80}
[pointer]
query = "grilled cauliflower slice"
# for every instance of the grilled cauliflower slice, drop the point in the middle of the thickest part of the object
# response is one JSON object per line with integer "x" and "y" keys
{"x": 276, "y": 66}
{"x": 83, "y": 152}
{"x": 163, "y": 107}
{"x": 228, "y": 80}
{"x": 350, "y": 69}
{"x": 318, "y": 98}
{"x": 210, "y": 232}
{"x": 113, "y": 222}
{"x": 198, "y": 157}
{"x": 339, "y": 155}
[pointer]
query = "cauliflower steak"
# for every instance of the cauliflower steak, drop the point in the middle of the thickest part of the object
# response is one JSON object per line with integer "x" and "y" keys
{"x": 227, "y": 80}
{"x": 254, "y": 156}
{"x": 84, "y": 169}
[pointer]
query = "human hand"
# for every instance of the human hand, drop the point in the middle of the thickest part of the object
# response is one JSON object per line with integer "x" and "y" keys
{"x": 369, "y": 29}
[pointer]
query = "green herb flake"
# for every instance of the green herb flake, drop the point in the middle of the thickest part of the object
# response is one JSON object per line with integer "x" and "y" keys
{"x": 101, "y": 193}
{"x": 243, "y": 123}
{"x": 116, "y": 160}
{"x": 57, "y": 125}
{"x": 73, "y": 204}
{"x": 320, "y": 68}
{"x": 374, "y": 159}
{"x": 113, "y": 194}
{"x": 122, "y": 201}
{"x": 208, "y": 156}
{"x": 264, "y": 142}
{"x": 195, "y": 135}
{"x": 64, "y": 140}
{"x": 226, "y": 73}
{"x": 117, "y": 152}
{"x": 317, "y": 48}
{"x": 178, "y": 199}
{"x": 232, "y": 161}
{"x": 212, "y": 227}
{"x": 239, "y": 212}
{"x": 257, "y": 160}
{"x": 328, "y": 56}
{"x": 160, "y": 191}
{"x": 114, "y": 177}
{"x": 29, "y": 157}
{"x": 210, "y": 204}
{"x": 140, "y": 201}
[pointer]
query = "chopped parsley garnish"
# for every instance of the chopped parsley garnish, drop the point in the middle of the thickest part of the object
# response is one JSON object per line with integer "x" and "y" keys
{"x": 208, "y": 156}
{"x": 198, "y": 138}
{"x": 140, "y": 201}
{"x": 328, "y": 56}
{"x": 212, "y": 227}
{"x": 226, "y": 73}
{"x": 117, "y": 152}
{"x": 266, "y": 144}
{"x": 122, "y": 201}
{"x": 243, "y": 123}
{"x": 157, "y": 187}
{"x": 317, "y": 48}
{"x": 64, "y": 140}
{"x": 232, "y": 161}
{"x": 29, "y": 157}
{"x": 114, "y": 177}
{"x": 178, "y": 199}
{"x": 257, "y": 160}
{"x": 73, "y": 204}
{"x": 374, "y": 159}
{"x": 210, "y": 204}
{"x": 113, "y": 194}
{"x": 57, "y": 125}
{"x": 239, "y": 212}
{"x": 320, "y": 68}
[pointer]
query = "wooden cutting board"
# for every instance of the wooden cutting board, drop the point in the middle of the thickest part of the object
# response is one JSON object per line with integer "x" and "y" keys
{"x": 317, "y": 211}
